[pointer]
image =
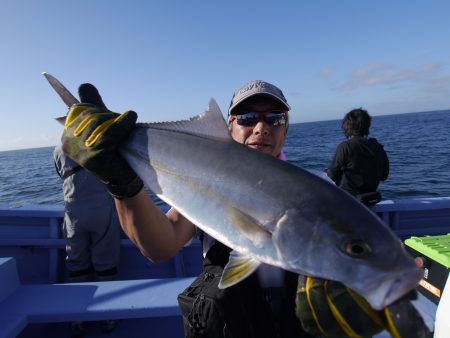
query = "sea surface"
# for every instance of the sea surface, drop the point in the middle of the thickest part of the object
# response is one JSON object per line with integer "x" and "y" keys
{"x": 418, "y": 146}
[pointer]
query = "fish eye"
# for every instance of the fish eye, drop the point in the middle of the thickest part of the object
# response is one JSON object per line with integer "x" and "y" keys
{"x": 357, "y": 248}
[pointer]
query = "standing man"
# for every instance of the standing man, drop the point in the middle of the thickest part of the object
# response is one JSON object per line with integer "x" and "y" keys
{"x": 91, "y": 228}
{"x": 264, "y": 304}
{"x": 360, "y": 162}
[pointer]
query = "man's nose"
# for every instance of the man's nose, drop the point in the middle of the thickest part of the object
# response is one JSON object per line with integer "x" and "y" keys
{"x": 261, "y": 128}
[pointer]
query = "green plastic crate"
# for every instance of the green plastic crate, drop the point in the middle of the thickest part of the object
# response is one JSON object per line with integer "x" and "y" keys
{"x": 434, "y": 247}
{"x": 434, "y": 255}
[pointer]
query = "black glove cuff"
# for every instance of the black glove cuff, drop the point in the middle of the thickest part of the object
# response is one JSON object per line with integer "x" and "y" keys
{"x": 126, "y": 190}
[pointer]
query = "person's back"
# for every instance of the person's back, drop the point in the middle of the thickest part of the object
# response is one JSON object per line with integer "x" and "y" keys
{"x": 365, "y": 165}
{"x": 91, "y": 224}
{"x": 360, "y": 162}
{"x": 91, "y": 228}
{"x": 79, "y": 185}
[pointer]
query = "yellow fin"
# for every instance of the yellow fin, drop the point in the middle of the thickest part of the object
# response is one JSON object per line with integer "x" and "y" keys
{"x": 237, "y": 269}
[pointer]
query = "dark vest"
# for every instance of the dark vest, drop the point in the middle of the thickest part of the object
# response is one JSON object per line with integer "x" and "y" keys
{"x": 244, "y": 310}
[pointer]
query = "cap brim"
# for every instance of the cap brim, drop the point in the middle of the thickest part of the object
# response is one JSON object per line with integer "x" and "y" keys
{"x": 237, "y": 103}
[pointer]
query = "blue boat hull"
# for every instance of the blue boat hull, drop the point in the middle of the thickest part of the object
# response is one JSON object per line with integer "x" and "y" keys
{"x": 32, "y": 236}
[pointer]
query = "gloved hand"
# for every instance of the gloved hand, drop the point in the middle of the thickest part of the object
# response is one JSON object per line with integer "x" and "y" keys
{"x": 327, "y": 308}
{"x": 403, "y": 320}
{"x": 91, "y": 138}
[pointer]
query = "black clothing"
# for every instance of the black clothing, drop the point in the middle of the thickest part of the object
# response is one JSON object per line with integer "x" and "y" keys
{"x": 239, "y": 311}
{"x": 358, "y": 165}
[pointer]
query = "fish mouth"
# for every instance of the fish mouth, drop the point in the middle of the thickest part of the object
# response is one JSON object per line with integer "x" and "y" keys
{"x": 399, "y": 287}
{"x": 393, "y": 289}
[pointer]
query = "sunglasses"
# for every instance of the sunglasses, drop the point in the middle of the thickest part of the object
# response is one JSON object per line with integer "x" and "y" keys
{"x": 250, "y": 119}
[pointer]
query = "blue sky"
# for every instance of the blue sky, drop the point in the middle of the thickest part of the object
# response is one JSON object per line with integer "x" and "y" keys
{"x": 166, "y": 59}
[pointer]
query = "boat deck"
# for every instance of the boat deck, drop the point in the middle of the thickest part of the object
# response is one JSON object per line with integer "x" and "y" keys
{"x": 34, "y": 293}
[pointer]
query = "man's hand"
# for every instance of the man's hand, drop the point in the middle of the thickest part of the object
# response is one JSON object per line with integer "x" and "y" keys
{"x": 328, "y": 308}
{"x": 91, "y": 138}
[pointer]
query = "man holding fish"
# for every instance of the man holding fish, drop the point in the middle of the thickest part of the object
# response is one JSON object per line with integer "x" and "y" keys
{"x": 256, "y": 227}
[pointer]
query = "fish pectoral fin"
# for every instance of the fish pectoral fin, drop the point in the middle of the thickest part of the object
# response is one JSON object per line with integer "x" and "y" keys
{"x": 237, "y": 269}
{"x": 250, "y": 227}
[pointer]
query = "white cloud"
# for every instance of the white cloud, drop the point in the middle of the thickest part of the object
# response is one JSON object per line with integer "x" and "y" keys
{"x": 383, "y": 74}
{"x": 326, "y": 72}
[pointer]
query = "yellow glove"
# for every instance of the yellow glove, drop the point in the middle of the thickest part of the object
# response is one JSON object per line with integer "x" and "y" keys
{"x": 91, "y": 137}
{"x": 330, "y": 309}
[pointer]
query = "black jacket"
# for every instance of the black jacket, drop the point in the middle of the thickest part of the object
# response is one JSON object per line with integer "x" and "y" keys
{"x": 358, "y": 165}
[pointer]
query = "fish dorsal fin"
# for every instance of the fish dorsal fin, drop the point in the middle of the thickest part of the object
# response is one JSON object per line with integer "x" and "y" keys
{"x": 237, "y": 269}
{"x": 209, "y": 124}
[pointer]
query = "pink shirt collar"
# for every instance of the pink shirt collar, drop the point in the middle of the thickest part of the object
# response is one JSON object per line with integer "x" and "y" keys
{"x": 282, "y": 156}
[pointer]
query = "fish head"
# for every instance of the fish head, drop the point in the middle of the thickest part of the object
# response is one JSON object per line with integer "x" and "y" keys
{"x": 355, "y": 248}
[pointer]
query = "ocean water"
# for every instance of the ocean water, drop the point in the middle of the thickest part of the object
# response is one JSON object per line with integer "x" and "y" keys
{"x": 418, "y": 146}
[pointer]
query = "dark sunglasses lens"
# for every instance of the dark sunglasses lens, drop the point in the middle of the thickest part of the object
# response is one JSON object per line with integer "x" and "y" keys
{"x": 276, "y": 119}
{"x": 248, "y": 119}
{"x": 271, "y": 118}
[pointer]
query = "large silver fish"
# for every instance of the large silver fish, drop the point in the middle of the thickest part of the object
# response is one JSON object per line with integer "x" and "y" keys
{"x": 268, "y": 210}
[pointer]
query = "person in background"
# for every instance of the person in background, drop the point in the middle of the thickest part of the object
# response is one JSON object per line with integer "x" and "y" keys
{"x": 91, "y": 229}
{"x": 360, "y": 162}
{"x": 269, "y": 303}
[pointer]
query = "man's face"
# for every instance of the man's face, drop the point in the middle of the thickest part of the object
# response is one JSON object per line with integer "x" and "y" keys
{"x": 262, "y": 136}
